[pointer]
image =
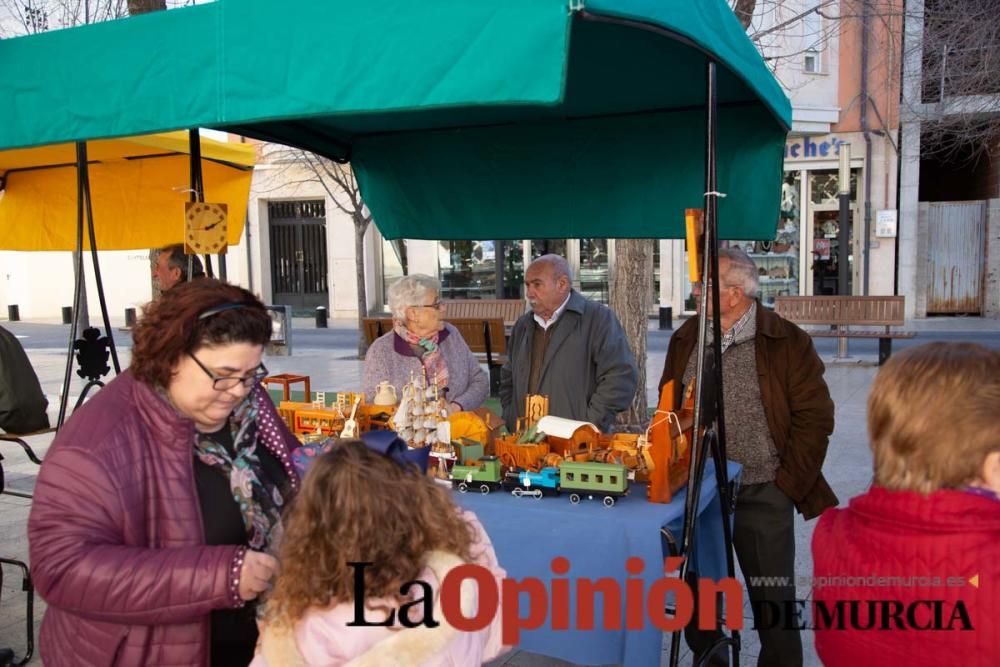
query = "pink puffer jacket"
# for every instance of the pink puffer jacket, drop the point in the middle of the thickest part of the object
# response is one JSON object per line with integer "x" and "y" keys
{"x": 116, "y": 535}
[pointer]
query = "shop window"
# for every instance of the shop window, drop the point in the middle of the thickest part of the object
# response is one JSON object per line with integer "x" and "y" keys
{"x": 594, "y": 267}
{"x": 541, "y": 247}
{"x": 468, "y": 269}
{"x": 513, "y": 269}
{"x": 777, "y": 259}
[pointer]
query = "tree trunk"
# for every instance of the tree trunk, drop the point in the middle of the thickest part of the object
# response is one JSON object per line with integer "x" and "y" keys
{"x": 360, "y": 227}
{"x": 744, "y": 11}
{"x": 631, "y": 301}
{"x": 143, "y": 6}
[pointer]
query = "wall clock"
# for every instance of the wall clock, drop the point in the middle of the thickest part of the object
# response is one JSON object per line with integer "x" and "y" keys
{"x": 205, "y": 228}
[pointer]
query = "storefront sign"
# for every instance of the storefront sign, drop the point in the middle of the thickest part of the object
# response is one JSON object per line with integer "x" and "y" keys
{"x": 813, "y": 148}
{"x": 885, "y": 223}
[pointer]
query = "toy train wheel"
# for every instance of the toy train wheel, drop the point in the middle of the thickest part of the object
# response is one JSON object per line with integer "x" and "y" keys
{"x": 463, "y": 487}
{"x": 484, "y": 489}
{"x": 609, "y": 501}
{"x": 518, "y": 492}
{"x": 574, "y": 498}
{"x": 537, "y": 493}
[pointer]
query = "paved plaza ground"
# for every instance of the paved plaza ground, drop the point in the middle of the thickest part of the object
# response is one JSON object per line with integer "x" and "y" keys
{"x": 328, "y": 356}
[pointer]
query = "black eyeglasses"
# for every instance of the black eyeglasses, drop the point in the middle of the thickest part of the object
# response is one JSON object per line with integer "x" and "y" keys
{"x": 436, "y": 305}
{"x": 220, "y": 383}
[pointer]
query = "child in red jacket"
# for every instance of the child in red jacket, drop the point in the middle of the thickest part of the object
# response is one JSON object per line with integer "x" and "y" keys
{"x": 910, "y": 569}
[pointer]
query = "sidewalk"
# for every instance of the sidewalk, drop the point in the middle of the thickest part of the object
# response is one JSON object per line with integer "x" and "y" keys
{"x": 328, "y": 356}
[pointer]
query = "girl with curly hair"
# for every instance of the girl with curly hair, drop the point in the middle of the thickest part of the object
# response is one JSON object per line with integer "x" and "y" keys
{"x": 358, "y": 505}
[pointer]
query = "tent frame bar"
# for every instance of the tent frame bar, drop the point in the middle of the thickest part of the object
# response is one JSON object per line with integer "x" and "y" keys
{"x": 709, "y": 405}
{"x": 84, "y": 207}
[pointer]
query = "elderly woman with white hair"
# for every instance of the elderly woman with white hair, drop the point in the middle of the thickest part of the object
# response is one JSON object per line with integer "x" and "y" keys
{"x": 422, "y": 343}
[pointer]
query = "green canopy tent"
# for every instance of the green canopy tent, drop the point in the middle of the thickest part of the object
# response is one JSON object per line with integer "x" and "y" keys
{"x": 522, "y": 119}
{"x": 462, "y": 120}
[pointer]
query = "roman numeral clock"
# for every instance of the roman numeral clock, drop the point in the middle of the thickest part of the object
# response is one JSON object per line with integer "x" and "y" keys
{"x": 205, "y": 228}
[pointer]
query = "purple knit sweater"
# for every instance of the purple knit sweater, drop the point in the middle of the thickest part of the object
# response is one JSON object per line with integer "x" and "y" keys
{"x": 391, "y": 358}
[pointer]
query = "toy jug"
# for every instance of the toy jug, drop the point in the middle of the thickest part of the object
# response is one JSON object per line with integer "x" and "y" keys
{"x": 385, "y": 394}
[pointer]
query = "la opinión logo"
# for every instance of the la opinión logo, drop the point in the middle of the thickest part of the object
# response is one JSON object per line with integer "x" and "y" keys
{"x": 551, "y": 601}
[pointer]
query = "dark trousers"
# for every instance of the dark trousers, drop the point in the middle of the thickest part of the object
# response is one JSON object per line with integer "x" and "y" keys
{"x": 764, "y": 540}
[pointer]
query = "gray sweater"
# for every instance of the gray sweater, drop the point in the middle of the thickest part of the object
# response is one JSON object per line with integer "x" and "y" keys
{"x": 391, "y": 358}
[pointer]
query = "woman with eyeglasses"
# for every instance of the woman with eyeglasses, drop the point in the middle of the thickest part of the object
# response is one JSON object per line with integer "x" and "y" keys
{"x": 159, "y": 503}
{"x": 423, "y": 344}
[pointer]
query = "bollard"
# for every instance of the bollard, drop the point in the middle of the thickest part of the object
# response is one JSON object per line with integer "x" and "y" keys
{"x": 67, "y": 313}
{"x": 666, "y": 318}
{"x": 129, "y": 318}
{"x": 13, "y": 313}
{"x": 320, "y": 317}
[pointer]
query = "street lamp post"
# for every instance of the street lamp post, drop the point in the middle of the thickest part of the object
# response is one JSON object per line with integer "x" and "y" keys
{"x": 843, "y": 236}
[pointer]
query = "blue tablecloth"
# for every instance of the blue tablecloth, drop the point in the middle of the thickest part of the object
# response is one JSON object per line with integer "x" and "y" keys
{"x": 528, "y": 533}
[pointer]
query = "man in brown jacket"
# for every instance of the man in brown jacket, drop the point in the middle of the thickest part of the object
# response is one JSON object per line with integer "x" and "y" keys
{"x": 779, "y": 417}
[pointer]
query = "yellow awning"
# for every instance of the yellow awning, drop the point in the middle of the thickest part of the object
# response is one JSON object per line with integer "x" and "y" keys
{"x": 139, "y": 186}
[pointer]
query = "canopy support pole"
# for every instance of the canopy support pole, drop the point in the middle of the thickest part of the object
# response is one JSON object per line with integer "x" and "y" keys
{"x": 82, "y": 149}
{"x": 197, "y": 187}
{"x": 64, "y": 395}
{"x": 84, "y": 207}
{"x": 709, "y": 406}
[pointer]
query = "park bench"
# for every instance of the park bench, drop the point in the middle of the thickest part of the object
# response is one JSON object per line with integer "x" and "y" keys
{"x": 485, "y": 336}
{"x": 843, "y": 314}
{"x": 509, "y": 310}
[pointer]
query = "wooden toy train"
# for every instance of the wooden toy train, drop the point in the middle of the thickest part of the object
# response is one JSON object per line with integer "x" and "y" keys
{"x": 581, "y": 479}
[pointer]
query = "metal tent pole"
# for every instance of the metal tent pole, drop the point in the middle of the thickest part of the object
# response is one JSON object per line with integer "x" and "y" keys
{"x": 81, "y": 165}
{"x": 82, "y": 148}
{"x": 708, "y": 405}
{"x": 197, "y": 187}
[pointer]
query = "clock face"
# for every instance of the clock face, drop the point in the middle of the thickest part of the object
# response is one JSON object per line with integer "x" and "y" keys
{"x": 205, "y": 228}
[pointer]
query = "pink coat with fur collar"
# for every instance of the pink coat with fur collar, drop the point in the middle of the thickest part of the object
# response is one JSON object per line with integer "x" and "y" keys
{"x": 322, "y": 637}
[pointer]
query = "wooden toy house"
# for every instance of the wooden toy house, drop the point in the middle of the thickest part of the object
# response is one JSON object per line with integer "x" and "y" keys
{"x": 573, "y": 440}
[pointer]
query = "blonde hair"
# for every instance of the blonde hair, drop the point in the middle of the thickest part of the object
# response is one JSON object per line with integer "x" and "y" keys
{"x": 357, "y": 505}
{"x": 934, "y": 416}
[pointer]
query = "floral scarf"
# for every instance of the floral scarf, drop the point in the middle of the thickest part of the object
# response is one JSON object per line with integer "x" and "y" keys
{"x": 260, "y": 501}
{"x": 433, "y": 361}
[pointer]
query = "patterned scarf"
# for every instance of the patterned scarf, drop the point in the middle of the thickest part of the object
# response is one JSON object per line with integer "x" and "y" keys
{"x": 435, "y": 367}
{"x": 259, "y": 499}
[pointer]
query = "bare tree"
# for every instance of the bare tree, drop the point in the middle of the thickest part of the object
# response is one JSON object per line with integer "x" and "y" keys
{"x": 959, "y": 99}
{"x": 341, "y": 187}
{"x": 144, "y": 6}
{"x": 631, "y": 299}
{"x": 21, "y": 17}
{"x": 959, "y": 47}
{"x": 744, "y": 11}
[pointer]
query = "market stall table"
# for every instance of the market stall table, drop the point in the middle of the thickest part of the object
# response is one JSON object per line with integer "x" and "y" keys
{"x": 597, "y": 540}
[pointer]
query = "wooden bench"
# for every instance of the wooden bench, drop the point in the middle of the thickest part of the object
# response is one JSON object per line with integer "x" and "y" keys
{"x": 484, "y": 336}
{"x": 468, "y": 309}
{"x": 843, "y": 312}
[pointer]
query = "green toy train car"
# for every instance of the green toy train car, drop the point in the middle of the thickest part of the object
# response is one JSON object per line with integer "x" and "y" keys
{"x": 486, "y": 476}
{"x": 593, "y": 480}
